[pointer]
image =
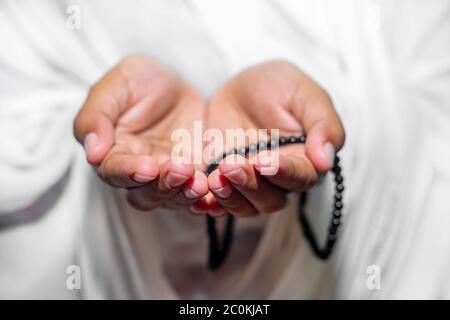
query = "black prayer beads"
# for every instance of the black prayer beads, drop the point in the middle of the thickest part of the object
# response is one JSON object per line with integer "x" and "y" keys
{"x": 218, "y": 251}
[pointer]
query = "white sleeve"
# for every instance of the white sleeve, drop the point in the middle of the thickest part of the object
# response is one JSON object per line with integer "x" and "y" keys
{"x": 38, "y": 100}
{"x": 418, "y": 38}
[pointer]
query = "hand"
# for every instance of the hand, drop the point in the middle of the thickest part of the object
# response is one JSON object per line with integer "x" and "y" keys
{"x": 273, "y": 95}
{"x": 125, "y": 126}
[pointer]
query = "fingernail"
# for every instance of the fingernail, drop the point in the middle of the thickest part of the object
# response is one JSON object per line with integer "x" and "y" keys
{"x": 175, "y": 180}
{"x": 330, "y": 153}
{"x": 268, "y": 171}
{"x": 141, "y": 178}
{"x": 90, "y": 143}
{"x": 190, "y": 194}
{"x": 237, "y": 176}
{"x": 224, "y": 192}
{"x": 267, "y": 164}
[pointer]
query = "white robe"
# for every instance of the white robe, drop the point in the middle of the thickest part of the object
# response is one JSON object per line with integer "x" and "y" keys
{"x": 386, "y": 65}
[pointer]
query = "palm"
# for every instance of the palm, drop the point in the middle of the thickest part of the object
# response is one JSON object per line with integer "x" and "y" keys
{"x": 159, "y": 102}
{"x": 127, "y": 122}
{"x": 259, "y": 98}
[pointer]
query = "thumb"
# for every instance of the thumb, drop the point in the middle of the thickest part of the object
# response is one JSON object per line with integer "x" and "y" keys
{"x": 96, "y": 133}
{"x": 314, "y": 110}
{"x": 95, "y": 123}
{"x": 324, "y": 139}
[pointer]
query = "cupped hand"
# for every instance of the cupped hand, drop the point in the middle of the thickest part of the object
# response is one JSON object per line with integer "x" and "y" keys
{"x": 274, "y": 95}
{"x": 125, "y": 126}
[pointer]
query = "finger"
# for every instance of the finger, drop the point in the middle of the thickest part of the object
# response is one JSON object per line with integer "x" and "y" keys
{"x": 194, "y": 189}
{"x": 173, "y": 176}
{"x": 322, "y": 144}
{"x": 259, "y": 192}
{"x": 201, "y": 206}
{"x": 161, "y": 192}
{"x": 215, "y": 209}
{"x": 208, "y": 205}
{"x": 122, "y": 169}
{"x": 325, "y": 133}
{"x": 295, "y": 172}
{"x": 94, "y": 124}
{"x": 228, "y": 197}
{"x": 98, "y": 142}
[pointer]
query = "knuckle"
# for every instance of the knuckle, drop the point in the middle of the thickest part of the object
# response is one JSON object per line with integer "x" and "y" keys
{"x": 106, "y": 171}
{"x": 102, "y": 173}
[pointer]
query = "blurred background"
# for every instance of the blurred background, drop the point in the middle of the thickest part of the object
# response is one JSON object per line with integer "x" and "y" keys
{"x": 386, "y": 65}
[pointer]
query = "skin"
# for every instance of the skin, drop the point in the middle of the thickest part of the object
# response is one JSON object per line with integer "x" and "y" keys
{"x": 126, "y": 122}
{"x": 273, "y": 95}
{"x": 125, "y": 127}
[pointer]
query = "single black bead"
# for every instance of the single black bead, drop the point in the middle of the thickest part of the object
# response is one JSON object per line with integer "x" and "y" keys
{"x": 337, "y": 213}
{"x": 283, "y": 141}
{"x": 336, "y": 169}
{"x": 336, "y": 160}
{"x": 301, "y": 139}
{"x": 338, "y": 205}
{"x": 338, "y": 196}
{"x": 329, "y": 246}
{"x": 262, "y": 145}
{"x": 253, "y": 147}
{"x": 211, "y": 168}
{"x": 273, "y": 143}
{"x": 292, "y": 139}
{"x": 340, "y": 187}
{"x": 336, "y": 222}
{"x": 241, "y": 151}
{"x": 338, "y": 178}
